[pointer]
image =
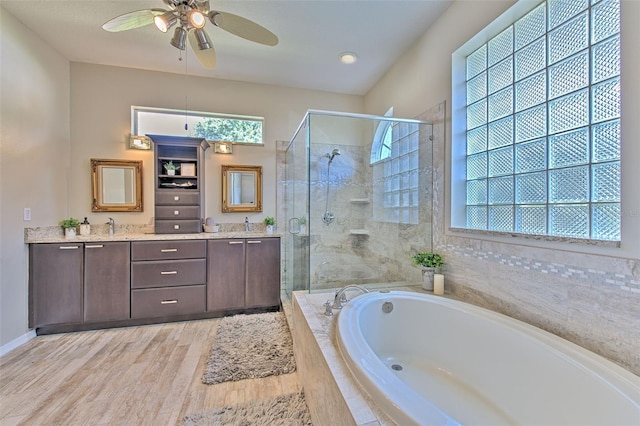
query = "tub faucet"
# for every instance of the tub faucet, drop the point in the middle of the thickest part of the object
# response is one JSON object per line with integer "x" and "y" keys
{"x": 112, "y": 225}
{"x": 247, "y": 226}
{"x": 341, "y": 297}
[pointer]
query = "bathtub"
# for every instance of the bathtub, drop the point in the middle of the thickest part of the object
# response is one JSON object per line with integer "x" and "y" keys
{"x": 428, "y": 360}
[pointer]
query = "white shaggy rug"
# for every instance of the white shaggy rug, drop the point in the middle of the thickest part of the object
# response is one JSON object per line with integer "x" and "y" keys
{"x": 250, "y": 347}
{"x": 285, "y": 410}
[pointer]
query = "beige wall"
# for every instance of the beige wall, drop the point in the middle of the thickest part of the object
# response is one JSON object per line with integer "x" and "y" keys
{"x": 101, "y": 99}
{"x": 34, "y": 157}
{"x": 56, "y": 115}
{"x": 590, "y": 295}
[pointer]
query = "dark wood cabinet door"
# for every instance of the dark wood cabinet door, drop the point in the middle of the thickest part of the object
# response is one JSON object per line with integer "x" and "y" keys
{"x": 263, "y": 272}
{"x": 55, "y": 284}
{"x": 226, "y": 274}
{"x": 106, "y": 281}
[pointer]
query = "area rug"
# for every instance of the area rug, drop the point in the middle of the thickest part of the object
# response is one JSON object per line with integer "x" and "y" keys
{"x": 285, "y": 410}
{"x": 250, "y": 347}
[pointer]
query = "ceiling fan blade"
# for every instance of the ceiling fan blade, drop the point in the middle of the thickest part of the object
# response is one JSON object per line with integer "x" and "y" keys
{"x": 207, "y": 57}
{"x": 243, "y": 27}
{"x": 132, "y": 20}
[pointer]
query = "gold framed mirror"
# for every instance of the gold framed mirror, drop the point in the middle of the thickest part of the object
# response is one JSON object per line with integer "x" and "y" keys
{"x": 241, "y": 189}
{"x": 116, "y": 185}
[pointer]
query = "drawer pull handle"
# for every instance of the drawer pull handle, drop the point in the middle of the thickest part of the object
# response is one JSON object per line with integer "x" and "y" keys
{"x": 176, "y": 198}
{"x": 236, "y": 242}
{"x": 168, "y": 250}
{"x": 95, "y": 246}
{"x": 176, "y": 226}
{"x": 168, "y": 272}
{"x": 254, "y": 242}
{"x": 176, "y": 212}
{"x": 68, "y": 247}
{"x": 169, "y": 302}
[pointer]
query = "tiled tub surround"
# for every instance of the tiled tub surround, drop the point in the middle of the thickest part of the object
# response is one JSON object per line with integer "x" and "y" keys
{"x": 333, "y": 396}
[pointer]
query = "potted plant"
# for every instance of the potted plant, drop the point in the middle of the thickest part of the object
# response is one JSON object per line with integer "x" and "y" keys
{"x": 269, "y": 223}
{"x": 302, "y": 220}
{"x": 170, "y": 167}
{"x": 431, "y": 263}
{"x": 69, "y": 226}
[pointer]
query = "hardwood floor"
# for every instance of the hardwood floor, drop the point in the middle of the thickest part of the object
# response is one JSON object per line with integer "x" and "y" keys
{"x": 148, "y": 375}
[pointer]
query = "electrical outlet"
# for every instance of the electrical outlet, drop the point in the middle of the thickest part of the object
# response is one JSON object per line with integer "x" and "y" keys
{"x": 26, "y": 215}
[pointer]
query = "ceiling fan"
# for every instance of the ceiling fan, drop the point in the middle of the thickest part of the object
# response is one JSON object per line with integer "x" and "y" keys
{"x": 190, "y": 16}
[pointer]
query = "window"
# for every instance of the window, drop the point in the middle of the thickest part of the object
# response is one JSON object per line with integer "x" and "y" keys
{"x": 382, "y": 140}
{"x": 395, "y": 146}
{"x": 541, "y": 123}
{"x": 213, "y": 127}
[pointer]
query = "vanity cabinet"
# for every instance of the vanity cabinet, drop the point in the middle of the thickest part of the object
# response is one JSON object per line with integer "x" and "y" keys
{"x": 55, "y": 284}
{"x": 89, "y": 285}
{"x": 243, "y": 273}
{"x": 168, "y": 278}
{"x": 106, "y": 281}
{"x": 226, "y": 269}
{"x": 179, "y": 203}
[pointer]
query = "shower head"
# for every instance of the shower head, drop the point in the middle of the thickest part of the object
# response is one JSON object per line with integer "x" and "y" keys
{"x": 333, "y": 154}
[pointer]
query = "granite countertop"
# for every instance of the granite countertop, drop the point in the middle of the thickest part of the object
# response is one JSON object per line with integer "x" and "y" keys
{"x": 54, "y": 234}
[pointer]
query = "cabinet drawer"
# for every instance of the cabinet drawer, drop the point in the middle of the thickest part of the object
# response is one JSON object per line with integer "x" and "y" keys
{"x": 165, "y": 273}
{"x": 167, "y": 301}
{"x": 178, "y": 198}
{"x": 178, "y": 226}
{"x": 160, "y": 250}
{"x": 177, "y": 212}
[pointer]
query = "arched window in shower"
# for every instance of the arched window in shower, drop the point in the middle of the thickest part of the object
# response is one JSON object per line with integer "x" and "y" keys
{"x": 394, "y": 158}
{"x": 381, "y": 147}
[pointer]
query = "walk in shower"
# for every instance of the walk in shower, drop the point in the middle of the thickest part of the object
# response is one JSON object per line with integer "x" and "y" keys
{"x": 357, "y": 192}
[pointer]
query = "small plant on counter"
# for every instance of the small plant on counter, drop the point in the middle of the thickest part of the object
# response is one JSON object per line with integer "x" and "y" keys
{"x": 70, "y": 223}
{"x": 269, "y": 221}
{"x": 302, "y": 220}
{"x": 427, "y": 260}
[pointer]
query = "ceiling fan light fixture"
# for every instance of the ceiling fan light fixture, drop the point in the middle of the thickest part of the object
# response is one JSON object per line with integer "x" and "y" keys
{"x": 165, "y": 21}
{"x": 196, "y": 18}
{"x": 179, "y": 38}
{"x": 202, "y": 38}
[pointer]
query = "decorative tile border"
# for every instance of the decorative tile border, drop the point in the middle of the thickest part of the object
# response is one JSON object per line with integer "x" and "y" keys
{"x": 624, "y": 282}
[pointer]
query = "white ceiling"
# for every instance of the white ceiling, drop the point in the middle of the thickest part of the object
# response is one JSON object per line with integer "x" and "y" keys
{"x": 312, "y": 34}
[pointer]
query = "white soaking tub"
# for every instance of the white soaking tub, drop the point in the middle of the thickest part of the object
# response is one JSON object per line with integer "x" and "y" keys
{"x": 437, "y": 361}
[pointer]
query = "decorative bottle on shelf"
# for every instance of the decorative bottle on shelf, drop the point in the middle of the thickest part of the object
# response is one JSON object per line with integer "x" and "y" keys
{"x": 85, "y": 227}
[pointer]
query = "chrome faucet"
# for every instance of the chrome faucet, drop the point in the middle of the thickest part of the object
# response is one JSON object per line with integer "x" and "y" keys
{"x": 112, "y": 226}
{"x": 247, "y": 226}
{"x": 341, "y": 298}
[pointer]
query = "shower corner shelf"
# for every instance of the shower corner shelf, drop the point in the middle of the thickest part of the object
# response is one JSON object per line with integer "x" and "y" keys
{"x": 360, "y": 200}
{"x": 359, "y": 232}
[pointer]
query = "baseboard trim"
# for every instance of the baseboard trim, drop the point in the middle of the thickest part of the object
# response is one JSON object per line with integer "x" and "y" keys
{"x": 18, "y": 341}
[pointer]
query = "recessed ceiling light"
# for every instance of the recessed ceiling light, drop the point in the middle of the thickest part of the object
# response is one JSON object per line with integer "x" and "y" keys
{"x": 348, "y": 57}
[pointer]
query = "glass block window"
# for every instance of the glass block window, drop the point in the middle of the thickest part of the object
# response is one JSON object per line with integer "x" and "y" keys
{"x": 399, "y": 173}
{"x": 543, "y": 123}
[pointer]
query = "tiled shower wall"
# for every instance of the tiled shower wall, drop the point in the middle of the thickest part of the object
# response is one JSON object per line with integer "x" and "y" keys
{"x": 591, "y": 300}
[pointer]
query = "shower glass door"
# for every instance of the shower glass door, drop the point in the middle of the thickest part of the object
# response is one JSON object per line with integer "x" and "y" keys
{"x": 296, "y": 273}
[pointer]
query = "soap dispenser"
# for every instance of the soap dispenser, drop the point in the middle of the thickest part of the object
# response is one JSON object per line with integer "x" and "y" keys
{"x": 85, "y": 228}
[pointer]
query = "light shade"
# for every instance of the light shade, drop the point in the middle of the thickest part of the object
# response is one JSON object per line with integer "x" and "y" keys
{"x": 165, "y": 21}
{"x": 202, "y": 38}
{"x": 139, "y": 142}
{"x": 196, "y": 18}
{"x": 223, "y": 148}
{"x": 179, "y": 38}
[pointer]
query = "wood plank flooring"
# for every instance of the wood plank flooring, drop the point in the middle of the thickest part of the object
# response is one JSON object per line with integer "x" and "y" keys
{"x": 147, "y": 375}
